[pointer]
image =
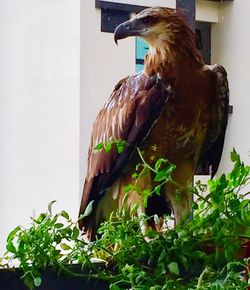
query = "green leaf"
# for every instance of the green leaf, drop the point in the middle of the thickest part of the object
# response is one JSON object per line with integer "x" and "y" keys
{"x": 146, "y": 192}
{"x": 114, "y": 287}
{"x": 108, "y": 146}
{"x": 157, "y": 189}
{"x": 212, "y": 184}
{"x": 88, "y": 209}
{"x": 10, "y": 247}
{"x": 202, "y": 205}
{"x": 50, "y": 206}
{"x": 234, "y": 204}
{"x": 25, "y": 267}
{"x": 159, "y": 162}
{"x": 234, "y": 156}
{"x": 120, "y": 146}
{"x": 162, "y": 257}
{"x": 127, "y": 188}
{"x": 223, "y": 181}
{"x": 65, "y": 247}
{"x": 37, "y": 281}
{"x": 160, "y": 176}
{"x": 173, "y": 268}
{"x": 99, "y": 146}
{"x": 67, "y": 232}
{"x": 21, "y": 248}
{"x": 244, "y": 203}
{"x": 58, "y": 225}
{"x": 40, "y": 218}
{"x": 164, "y": 174}
{"x": 75, "y": 233}
{"x": 58, "y": 239}
{"x": 134, "y": 175}
{"x": 29, "y": 281}
{"x": 65, "y": 214}
{"x": 52, "y": 221}
{"x": 245, "y": 217}
{"x": 185, "y": 262}
{"x": 13, "y": 233}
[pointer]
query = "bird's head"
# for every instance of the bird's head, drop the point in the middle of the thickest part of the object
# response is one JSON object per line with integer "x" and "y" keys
{"x": 154, "y": 25}
{"x": 170, "y": 39}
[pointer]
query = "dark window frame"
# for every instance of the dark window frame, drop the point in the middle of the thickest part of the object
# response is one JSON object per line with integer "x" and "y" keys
{"x": 111, "y": 18}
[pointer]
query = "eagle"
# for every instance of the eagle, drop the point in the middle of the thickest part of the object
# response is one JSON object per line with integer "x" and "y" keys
{"x": 177, "y": 105}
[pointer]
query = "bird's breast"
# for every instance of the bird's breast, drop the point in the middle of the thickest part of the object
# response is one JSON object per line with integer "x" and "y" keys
{"x": 180, "y": 131}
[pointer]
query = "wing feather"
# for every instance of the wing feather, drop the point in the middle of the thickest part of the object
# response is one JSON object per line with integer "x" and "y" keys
{"x": 129, "y": 114}
{"x": 213, "y": 145}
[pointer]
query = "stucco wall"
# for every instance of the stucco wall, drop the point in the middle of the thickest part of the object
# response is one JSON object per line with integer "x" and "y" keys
{"x": 230, "y": 47}
{"x": 39, "y": 108}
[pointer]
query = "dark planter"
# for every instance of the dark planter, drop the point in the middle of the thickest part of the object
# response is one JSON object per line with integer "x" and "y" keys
{"x": 10, "y": 280}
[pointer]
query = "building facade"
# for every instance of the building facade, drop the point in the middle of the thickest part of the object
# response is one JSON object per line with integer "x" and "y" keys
{"x": 58, "y": 66}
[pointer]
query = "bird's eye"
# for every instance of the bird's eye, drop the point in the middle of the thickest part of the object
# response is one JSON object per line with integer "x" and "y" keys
{"x": 146, "y": 20}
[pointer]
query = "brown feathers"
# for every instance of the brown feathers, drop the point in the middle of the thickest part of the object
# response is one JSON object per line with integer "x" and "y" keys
{"x": 129, "y": 114}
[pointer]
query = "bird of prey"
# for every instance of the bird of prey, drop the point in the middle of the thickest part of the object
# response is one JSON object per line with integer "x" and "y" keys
{"x": 177, "y": 104}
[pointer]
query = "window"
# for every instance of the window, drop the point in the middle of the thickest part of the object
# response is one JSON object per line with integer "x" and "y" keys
{"x": 141, "y": 50}
{"x": 110, "y": 18}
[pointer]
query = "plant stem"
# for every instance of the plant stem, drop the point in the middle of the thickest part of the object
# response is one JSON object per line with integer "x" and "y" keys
{"x": 143, "y": 160}
{"x": 205, "y": 271}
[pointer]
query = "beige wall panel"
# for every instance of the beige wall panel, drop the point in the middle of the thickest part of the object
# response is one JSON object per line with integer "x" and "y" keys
{"x": 230, "y": 47}
{"x": 207, "y": 11}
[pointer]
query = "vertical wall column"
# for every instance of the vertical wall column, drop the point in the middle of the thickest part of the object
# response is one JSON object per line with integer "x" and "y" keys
{"x": 187, "y": 7}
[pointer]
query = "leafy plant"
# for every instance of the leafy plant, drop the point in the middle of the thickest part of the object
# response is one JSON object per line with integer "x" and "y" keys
{"x": 50, "y": 241}
{"x": 205, "y": 252}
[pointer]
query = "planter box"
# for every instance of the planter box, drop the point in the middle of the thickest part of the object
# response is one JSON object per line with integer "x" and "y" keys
{"x": 10, "y": 280}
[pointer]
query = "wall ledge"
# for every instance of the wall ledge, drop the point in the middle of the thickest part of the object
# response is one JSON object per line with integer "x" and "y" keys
{"x": 207, "y": 11}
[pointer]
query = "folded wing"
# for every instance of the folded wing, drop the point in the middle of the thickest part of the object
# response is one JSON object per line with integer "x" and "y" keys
{"x": 213, "y": 145}
{"x": 131, "y": 111}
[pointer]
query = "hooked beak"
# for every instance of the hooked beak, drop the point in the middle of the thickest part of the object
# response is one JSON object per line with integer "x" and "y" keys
{"x": 125, "y": 29}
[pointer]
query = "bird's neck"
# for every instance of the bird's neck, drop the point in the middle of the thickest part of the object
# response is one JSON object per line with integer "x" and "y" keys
{"x": 171, "y": 60}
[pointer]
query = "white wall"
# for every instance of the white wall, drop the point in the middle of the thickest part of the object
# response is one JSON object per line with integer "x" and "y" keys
{"x": 230, "y": 47}
{"x": 39, "y": 108}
